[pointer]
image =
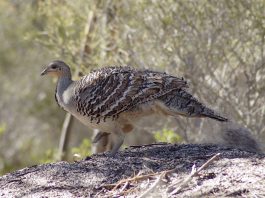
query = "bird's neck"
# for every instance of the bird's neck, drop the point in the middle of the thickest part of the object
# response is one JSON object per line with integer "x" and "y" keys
{"x": 63, "y": 83}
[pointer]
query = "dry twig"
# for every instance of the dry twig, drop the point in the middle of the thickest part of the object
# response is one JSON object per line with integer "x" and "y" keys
{"x": 126, "y": 182}
{"x": 158, "y": 180}
{"x": 194, "y": 172}
{"x": 131, "y": 179}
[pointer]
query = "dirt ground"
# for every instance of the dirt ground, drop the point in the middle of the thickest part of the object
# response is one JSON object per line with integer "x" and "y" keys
{"x": 158, "y": 170}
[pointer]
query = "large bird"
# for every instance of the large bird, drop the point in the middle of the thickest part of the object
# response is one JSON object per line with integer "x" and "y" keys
{"x": 112, "y": 99}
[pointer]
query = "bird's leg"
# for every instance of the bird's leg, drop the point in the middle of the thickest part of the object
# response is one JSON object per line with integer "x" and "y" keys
{"x": 101, "y": 142}
{"x": 99, "y": 135}
{"x": 118, "y": 139}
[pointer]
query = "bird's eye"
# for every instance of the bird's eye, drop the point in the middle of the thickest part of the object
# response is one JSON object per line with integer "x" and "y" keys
{"x": 53, "y": 66}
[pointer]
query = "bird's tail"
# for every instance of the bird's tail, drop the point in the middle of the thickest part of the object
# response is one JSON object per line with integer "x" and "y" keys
{"x": 181, "y": 102}
{"x": 211, "y": 114}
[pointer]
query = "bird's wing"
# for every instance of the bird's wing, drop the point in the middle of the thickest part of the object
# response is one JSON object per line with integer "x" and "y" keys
{"x": 110, "y": 91}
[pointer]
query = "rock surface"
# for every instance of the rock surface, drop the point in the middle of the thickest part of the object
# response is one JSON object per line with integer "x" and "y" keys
{"x": 235, "y": 173}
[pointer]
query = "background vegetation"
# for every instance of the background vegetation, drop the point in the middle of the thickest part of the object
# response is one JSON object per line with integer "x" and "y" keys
{"x": 217, "y": 45}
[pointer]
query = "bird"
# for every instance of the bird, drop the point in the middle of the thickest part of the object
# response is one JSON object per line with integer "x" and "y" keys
{"x": 112, "y": 99}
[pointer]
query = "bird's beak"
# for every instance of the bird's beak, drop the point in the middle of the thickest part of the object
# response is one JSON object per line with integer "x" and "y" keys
{"x": 44, "y": 72}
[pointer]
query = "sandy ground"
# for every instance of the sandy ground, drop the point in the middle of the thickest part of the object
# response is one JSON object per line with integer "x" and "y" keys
{"x": 158, "y": 170}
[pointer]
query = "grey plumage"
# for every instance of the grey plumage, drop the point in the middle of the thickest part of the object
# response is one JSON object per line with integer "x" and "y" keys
{"x": 181, "y": 102}
{"x": 113, "y": 98}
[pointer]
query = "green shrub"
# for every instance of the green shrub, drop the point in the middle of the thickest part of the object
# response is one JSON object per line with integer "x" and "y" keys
{"x": 167, "y": 135}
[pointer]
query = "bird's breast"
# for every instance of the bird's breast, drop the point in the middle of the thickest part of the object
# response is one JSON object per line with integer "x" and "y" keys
{"x": 107, "y": 125}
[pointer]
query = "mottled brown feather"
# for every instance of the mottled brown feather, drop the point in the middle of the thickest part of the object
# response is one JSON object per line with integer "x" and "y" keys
{"x": 110, "y": 91}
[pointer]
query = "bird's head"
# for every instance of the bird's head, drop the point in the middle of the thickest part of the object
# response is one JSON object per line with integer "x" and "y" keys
{"x": 57, "y": 68}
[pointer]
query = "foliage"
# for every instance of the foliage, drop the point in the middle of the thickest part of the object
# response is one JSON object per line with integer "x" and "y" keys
{"x": 217, "y": 45}
{"x": 49, "y": 156}
{"x": 20, "y": 63}
{"x": 167, "y": 135}
{"x": 2, "y": 128}
{"x": 84, "y": 149}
